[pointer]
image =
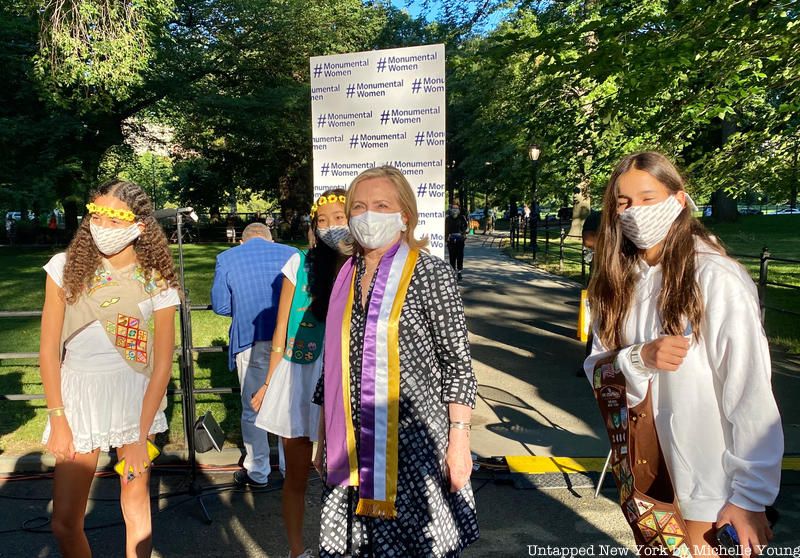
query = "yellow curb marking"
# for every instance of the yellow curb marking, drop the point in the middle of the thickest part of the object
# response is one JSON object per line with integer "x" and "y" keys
{"x": 535, "y": 464}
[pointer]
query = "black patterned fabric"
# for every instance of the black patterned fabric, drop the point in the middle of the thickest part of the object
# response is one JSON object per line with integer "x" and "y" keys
{"x": 435, "y": 369}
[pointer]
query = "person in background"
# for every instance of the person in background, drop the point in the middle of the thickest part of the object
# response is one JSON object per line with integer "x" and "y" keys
{"x": 455, "y": 231}
{"x": 247, "y": 287}
{"x": 589, "y": 239}
{"x": 397, "y": 462}
{"x": 681, "y": 320}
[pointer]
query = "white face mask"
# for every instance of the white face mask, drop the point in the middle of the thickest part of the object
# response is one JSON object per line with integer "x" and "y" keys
{"x": 455, "y": 212}
{"x": 332, "y": 236}
{"x": 375, "y": 230}
{"x": 110, "y": 240}
{"x": 647, "y": 225}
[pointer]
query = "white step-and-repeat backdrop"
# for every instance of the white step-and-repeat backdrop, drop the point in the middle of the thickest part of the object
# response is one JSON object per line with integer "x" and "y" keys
{"x": 383, "y": 107}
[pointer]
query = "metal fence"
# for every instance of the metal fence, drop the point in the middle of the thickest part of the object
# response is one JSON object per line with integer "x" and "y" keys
{"x": 555, "y": 231}
{"x": 179, "y": 350}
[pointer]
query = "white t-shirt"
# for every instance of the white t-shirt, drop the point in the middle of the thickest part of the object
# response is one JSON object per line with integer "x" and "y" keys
{"x": 92, "y": 342}
{"x": 291, "y": 267}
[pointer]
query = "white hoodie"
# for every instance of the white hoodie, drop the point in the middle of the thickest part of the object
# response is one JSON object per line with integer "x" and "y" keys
{"x": 716, "y": 416}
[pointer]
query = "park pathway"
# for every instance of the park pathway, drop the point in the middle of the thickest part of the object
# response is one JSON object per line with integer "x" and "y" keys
{"x": 522, "y": 324}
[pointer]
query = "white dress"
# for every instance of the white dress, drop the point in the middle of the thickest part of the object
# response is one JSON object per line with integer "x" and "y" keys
{"x": 287, "y": 409}
{"x": 102, "y": 394}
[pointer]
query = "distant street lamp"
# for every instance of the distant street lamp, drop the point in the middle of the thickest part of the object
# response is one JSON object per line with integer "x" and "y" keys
{"x": 534, "y": 152}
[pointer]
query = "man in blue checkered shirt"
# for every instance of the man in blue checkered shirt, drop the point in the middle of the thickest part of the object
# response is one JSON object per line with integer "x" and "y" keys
{"x": 247, "y": 287}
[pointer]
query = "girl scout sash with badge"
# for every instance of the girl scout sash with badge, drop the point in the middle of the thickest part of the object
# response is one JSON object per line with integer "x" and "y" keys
{"x": 305, "y": 334}
{"x": 646, "y": 494}
{"x": 112, "y": 298}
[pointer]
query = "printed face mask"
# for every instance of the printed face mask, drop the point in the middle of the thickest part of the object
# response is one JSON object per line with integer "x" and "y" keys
{"x": 113, "y": 240}
{"x": 647, "y": 225}
{"x": 332, "y": 236}
{"x": 375, "y": 230}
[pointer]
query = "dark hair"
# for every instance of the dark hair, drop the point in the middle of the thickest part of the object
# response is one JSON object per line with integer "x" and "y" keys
{"x": 614, "y": 276}
{"x": 322, "y": 265}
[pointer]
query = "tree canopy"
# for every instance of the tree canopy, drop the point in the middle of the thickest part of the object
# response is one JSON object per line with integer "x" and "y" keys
{"x": 712, "y": 84}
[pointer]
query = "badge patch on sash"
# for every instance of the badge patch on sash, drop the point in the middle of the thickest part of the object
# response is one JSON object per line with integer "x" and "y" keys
{"x": 130, "y": 336}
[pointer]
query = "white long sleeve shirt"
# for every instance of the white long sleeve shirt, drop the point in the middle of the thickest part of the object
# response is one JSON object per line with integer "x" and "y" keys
{"x": 716, "y": 417}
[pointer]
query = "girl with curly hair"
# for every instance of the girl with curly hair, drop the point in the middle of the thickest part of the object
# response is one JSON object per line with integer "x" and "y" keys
{"x": 284, "y": 401}
{"x": 106, "y": 349}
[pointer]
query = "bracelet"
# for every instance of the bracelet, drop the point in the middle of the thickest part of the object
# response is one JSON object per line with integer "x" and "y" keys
{"x": 461, "y": 425}
{"x": 635, "y": 357}
{"x": 56, "y": 412}
{"x": 278, "y": 349}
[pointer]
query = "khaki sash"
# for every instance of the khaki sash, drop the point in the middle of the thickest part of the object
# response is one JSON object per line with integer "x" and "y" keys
{"x": 112, "y": 298}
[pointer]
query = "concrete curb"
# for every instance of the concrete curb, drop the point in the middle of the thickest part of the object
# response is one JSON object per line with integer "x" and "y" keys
{"x": 43, "y": 463}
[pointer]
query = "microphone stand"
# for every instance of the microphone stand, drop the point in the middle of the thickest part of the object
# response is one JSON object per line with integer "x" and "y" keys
{"x": 187, "y": 379}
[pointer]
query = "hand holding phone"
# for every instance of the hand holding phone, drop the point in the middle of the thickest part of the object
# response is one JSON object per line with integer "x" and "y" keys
{"x": 727, "y": 537}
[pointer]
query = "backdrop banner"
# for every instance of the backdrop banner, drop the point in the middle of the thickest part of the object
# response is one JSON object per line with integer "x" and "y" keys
{"x": 383, "y": 107}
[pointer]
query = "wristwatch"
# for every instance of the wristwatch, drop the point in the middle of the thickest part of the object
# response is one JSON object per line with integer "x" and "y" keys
{"x": 635, "y": 356}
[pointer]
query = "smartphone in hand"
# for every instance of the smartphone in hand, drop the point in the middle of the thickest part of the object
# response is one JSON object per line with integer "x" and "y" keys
{"x": 727, "y": 537}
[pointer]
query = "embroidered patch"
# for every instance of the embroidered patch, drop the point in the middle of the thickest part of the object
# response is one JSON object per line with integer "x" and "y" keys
{"x": 598, "y": 381}
{"x": 662, "y": 517}
{"x": 672, "y": 541}
{"x": 312, "y": 346}
{"x": 625, "y": 483}
{"x": 647, "y": 533}
{"x": 101, "y": 278}
{"x": 109, "y": 302}
{"x": 649, "y": 522}
{"x": 611, "y": 396}
{"x": 630, "y": 511}
{"x": 682, "y": 551}
{"x": 673, "y": 528}
{"x": 616, "y": 420}
{"x": 608, "y": 371}
{"x": 643, "y": 505}
{"x": 129, "y": 336}
{"x": 309, "y": 356}
{"x": 623, "y": 414}
{"x": 152, "y": 284}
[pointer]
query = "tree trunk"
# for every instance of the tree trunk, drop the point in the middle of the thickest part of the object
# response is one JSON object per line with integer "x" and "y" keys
{"x": 793, "y": 185}
{"x": 580, "y": 210}
{"x": 723, "y": 206}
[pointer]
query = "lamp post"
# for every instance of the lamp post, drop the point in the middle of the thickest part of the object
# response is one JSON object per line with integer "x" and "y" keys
{"x": 488, "y": 166}
{"x": 534, "y": 152}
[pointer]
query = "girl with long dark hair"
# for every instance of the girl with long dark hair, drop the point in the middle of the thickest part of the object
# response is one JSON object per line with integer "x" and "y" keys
{"x": 284, "y": 401}
{"x": 684, "y": 319}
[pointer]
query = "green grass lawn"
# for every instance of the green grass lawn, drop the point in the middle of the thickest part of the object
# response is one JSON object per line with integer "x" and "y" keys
{"x": 744, "y": 240}
{"x": 22, "y": 281}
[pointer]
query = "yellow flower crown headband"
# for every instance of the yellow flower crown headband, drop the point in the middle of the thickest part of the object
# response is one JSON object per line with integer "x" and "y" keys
{"x": 324, "y": 200}
{"x": 122, "y": 214}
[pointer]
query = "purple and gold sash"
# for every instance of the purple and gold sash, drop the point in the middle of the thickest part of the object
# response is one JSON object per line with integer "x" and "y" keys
{"x": 374, "y": 468}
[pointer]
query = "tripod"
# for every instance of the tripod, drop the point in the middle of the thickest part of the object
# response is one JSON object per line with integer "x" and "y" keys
{"x": 187, "y": 374}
